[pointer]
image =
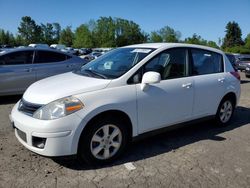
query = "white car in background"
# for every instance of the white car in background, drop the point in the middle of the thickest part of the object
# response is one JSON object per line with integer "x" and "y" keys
{"x": 58, "y": 46}
{"x": 95, "y": 112}
{"x": 39, "y": 45}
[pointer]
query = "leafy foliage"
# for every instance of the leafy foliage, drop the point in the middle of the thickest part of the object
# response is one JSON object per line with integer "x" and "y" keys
{"x": 165, "y": 34}
{"x": 115, "y": 32}
{"x": 30, "y": 31}
{"x": 197, "y": 39}
{"x": 83, "y": 37}
{"x": 233, "y": 35}
{"x": 67, "y": 36}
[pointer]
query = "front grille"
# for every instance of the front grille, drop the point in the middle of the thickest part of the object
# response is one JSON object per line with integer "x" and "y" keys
{"x": 28, "y": 108}
{"x": 21, "y": 134}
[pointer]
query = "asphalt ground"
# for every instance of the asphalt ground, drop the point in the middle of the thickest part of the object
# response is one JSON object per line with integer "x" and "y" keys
{"x": 198, "y": 155}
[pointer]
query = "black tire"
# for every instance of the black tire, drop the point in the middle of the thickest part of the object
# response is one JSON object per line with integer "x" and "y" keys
{"x": 218, "y": 117}
{"x": 85, "y": 144}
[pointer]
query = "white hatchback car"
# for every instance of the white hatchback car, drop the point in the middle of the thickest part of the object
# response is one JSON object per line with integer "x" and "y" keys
{"x": 94, "y": 112}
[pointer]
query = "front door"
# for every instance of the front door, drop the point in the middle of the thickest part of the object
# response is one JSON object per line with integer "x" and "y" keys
{"x": 170, "y": 101}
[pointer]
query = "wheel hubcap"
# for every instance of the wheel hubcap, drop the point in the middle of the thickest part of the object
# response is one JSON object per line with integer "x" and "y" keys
{"x": 106, "y": 142}
{"x": 226, "y": 111}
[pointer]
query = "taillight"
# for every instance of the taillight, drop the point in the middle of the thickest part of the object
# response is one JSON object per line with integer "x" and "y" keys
{"x": 236, "y": 75}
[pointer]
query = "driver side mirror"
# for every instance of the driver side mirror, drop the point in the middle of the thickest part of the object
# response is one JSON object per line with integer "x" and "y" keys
{"x": 150, "y": 78}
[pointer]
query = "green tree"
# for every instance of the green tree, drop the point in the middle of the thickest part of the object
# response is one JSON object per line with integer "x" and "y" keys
{"x": 247, "y": 41}
{"x": 57, "y": 32}
{"x": 83, "y": 37}
{"x": 19, "y": 40}
{"x": 165, "y": 34}
{"x": 169, "y": 34}
{"x": 105, "y": 32}
{"x": 67, "y": 36}
{"x": 127, "y": 32}
{"x": 47, "y": 33}
{"x": 195, "y": 39}
{"x": 155, "y": 37}
{"x": 30, "y": 31}
{"x": 7, "y": 38}
{"x": 212, "y": 44}
{"x": 233, "y": 35}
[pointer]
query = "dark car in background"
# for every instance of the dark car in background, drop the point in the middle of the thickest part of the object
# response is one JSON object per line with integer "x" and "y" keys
{"x": 20, "y": 67}
{"x": 242, "y": 62}
{"x": 247, "y": 71}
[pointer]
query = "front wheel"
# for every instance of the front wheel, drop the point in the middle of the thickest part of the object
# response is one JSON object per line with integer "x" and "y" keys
{"x": 225, "y": 112}
{"x": 103, "y": 141}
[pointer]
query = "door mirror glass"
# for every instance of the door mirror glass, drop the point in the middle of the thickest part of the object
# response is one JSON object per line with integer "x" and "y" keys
{"x": 150, "y": 78}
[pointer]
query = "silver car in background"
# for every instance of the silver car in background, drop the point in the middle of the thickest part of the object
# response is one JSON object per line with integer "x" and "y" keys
{"x": 19, "y": 68}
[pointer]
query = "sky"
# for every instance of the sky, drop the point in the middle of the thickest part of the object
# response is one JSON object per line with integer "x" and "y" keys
{"x": 207, "y": 18}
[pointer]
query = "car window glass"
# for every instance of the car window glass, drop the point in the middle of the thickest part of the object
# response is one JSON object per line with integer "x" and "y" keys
{"x": 206, "y": 62}
{"x": 49, "y": 57}
{"x": 244, "y": 59}
{"x": 170, "y": 63}
{"x": 115, "y": 63}
{"x": 17, "y": 58}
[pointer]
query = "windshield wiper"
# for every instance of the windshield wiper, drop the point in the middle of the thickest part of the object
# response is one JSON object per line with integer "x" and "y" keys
{"x": 96, "y": 73}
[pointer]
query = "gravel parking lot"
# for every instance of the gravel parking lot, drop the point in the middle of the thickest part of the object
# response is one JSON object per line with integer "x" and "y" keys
{"x": 200, "y": 155}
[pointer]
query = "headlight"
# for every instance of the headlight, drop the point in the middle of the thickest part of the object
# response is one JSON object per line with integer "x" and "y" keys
{"x": 248, "y": 68}
{"x": 58, "y": 108}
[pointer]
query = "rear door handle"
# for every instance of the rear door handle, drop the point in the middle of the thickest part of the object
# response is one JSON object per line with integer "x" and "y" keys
{"x": 221, "y": 80}
{"x": 187, "y": 85}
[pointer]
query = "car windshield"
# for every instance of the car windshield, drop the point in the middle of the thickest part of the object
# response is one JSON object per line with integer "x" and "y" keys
{"x": 114, "y": 63}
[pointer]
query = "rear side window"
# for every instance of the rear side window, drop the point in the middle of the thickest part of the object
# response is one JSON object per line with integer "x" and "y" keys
{"x": 49, "y": 57}
{"x": 17, "y": 58}
{"x": 206, "y": 62}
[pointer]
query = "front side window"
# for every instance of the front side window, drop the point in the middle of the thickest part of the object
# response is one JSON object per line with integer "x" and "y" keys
{"x": 206, "y": 62}
{"x": 114, "y": 63}
{"x": 17, "y": 58}
{"x": 49, "y": 57}
{"x": 170, "y": 64}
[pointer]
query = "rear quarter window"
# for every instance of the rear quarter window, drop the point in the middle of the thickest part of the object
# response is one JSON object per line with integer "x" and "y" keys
{"x": 206, "y": 62}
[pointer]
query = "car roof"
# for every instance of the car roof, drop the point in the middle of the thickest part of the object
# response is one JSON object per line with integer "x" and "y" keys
{"x": 10, "y": 50}
{"x": 172, "y": 45}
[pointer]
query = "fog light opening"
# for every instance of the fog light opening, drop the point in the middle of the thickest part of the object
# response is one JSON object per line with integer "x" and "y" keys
{"x": 38, "y": 142}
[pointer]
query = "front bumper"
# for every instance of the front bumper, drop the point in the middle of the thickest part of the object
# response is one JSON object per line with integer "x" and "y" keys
{"x": 57, "y": 135}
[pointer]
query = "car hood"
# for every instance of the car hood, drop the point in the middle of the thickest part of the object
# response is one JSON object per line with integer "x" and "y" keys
{"x": 63, "y": 85}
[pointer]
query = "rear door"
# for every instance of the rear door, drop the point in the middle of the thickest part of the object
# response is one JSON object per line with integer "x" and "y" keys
{"x": 16, "y": 72}
{"x": 209, "y": 81}
{"x": 49, "y": 63}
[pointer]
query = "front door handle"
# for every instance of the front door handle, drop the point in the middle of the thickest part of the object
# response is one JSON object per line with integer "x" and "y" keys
{"x": 187, "y": 85}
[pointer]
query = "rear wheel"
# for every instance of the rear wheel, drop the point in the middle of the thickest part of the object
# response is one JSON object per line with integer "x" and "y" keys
{"x": 225, "y": 111}
{"x": 103, "y": 141}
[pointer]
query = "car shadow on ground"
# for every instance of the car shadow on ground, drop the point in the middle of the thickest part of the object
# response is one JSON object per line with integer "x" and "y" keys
{"x": 245, "y": 81}
{"x": 168, "y": 141}
{"x": 10, "y": 99}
